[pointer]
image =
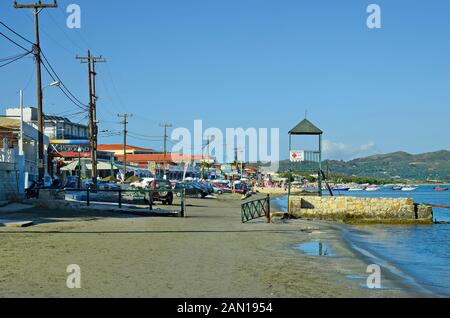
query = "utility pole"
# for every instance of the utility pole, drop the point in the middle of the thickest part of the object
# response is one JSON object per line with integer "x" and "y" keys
{"x": 93, "y": 128}
{"x": 38, "y": 7}
{"x": 166, "y": 137}
{"x": 125, "y": 123}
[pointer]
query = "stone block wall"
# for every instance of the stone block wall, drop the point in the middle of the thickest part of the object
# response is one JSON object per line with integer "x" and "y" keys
{"x": 8, "y": 181}
{"x": 363, "y": 210}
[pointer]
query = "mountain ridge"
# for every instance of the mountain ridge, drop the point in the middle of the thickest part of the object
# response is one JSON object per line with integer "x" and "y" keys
{"x": 428, "y": 166}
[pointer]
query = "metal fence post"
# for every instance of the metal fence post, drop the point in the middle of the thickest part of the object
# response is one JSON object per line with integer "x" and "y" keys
{"x": 88, "y": 199}
{"x": 120, "y": 198}
{"x": 183, "y": 203}
{"x": 150, "y": 200}
{"x": 269, "y": 217}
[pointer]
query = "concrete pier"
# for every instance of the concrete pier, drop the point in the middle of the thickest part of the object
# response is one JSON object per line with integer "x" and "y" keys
{"x": 360, "y": 210}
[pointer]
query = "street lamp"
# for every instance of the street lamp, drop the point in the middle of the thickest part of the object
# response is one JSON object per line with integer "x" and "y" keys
{"x": 54, "y": 84}
{"x": 79, "y": 167}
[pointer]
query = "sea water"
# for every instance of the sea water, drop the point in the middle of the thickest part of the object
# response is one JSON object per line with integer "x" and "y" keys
{"x": 418, "y": 253}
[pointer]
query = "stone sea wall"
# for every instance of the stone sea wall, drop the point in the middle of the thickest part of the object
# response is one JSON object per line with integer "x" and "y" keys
{"x": 360, "y": 210}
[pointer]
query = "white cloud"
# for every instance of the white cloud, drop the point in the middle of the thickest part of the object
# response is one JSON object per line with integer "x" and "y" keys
{"x": 340, "y": 151}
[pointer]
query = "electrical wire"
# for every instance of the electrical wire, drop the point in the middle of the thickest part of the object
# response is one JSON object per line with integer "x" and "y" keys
{"x": 15, "y": 59}
{"x": 145, "y": 136}
{"x": 16, "y": 33}
{"x": 14, "y": 42}
{"x": 62, "y": 83}
{"x": 4, "y": 59}
{"x": 63, "y": 91}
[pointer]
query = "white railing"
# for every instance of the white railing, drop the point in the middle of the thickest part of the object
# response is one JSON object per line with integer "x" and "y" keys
{"x": 9, "y": 156}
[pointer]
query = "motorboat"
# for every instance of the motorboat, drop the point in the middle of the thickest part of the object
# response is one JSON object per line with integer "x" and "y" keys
{"x": 373, "y": 188}
{"x": 440, "y": 189}
{"x": 340, "y": 189}
{"x": 356, "y": 189}
{"x": 409, "y": 189}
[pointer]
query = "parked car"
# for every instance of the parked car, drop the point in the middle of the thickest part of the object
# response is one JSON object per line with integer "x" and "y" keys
{"x": 165, "y": 197}
{"x": 221, "y": 184}
{"x": 241, "y": 188}
{"x": 218, "y": 190}
{"x": 191, "y": 190}
{"x": 144, "y": 183}
{"x": 207, "y": 188}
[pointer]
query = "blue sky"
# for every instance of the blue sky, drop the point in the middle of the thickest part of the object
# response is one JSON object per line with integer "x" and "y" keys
{"x": 249, "y": 63}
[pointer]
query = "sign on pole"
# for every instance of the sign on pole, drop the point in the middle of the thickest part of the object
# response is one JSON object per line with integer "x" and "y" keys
{"x": 297, "y": 156}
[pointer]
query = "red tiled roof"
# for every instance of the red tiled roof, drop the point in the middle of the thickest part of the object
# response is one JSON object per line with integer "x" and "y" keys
{"x": 119, "y": 147}
{"x": 175, "y": 157}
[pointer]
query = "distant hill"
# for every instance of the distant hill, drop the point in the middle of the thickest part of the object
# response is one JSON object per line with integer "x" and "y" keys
{"x": 397, "y": 165}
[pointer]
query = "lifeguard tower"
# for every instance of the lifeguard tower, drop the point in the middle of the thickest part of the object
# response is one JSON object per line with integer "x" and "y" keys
{"x": 306, "y": 160}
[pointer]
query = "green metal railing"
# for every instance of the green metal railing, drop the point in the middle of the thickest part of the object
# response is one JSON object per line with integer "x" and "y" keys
{"x": 256, "y": 209}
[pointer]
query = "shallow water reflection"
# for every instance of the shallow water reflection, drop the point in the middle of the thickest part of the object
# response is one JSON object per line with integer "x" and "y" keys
{"x": 315, "y": 249}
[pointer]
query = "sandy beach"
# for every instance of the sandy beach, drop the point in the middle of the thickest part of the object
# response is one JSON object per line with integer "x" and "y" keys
{"x": 208, "y": 254}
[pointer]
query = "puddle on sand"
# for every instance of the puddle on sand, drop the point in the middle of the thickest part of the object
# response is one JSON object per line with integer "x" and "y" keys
{"x": 315, "y": 249}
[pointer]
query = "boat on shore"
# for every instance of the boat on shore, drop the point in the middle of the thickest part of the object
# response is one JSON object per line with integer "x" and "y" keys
{"x": 373, "y": 188}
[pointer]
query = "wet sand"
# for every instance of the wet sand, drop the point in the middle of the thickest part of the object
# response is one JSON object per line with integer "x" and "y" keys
{"x": 208, "y": 254}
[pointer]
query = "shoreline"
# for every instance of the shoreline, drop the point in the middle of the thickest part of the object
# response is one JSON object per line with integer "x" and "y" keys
{"x": 395, "y": 276}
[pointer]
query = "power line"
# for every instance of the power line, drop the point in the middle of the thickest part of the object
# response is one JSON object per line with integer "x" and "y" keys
{"x": 63, "y": 91}
{"x": 15, "y": 59}
{"x": 146, "y": 136}
{"x": 62, "y": 83}
{"x": 16, "y": 33}
{"x": 8, "y": 58}
{"x": 144, "y": 139}
{"x": 14, "y": 42}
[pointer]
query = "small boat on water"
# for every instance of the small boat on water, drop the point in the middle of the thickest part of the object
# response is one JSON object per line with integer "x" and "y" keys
{"x": 440, "y": 189}
{"x": 373, "y": 188}
{"x": 340, "y": 189}
{"x": 356, "y": 189}
{"x": 409, "y": 189}
{"x": 398, "y": 188}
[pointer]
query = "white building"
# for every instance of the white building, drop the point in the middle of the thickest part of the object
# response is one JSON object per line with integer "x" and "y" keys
{"x": 18, "y": 156}
{"x": 55, "y": 127}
